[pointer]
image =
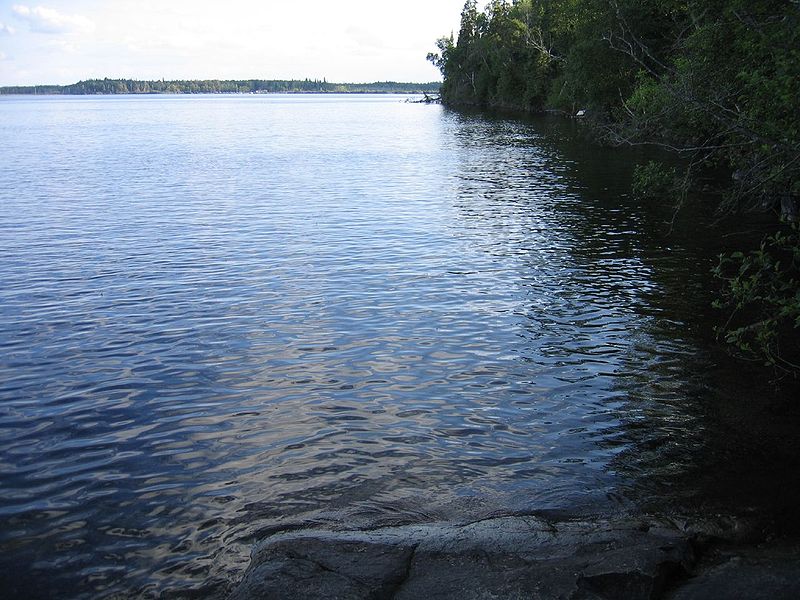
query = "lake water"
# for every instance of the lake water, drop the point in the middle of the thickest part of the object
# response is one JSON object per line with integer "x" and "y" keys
{"x": 225, "y": 316}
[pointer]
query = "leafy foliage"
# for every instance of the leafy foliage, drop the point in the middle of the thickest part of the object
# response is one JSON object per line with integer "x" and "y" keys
{"x": 654, "y": 180}
{"x": 763, "y": 299}
{"x": 715, "y": 81}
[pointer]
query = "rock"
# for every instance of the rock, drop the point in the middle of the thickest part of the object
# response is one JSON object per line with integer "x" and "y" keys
{"x": 325, "y": 568}
{"x": 765, "y": 572}
{"x": 531, "y": 557}
{"x": 508, "y": 557}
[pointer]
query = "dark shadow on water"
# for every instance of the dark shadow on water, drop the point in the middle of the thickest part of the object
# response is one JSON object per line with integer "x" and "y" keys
{"x": 691, "y": 428}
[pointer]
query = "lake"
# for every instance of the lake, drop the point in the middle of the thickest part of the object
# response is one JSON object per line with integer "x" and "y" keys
{"x": 226, "y": 316}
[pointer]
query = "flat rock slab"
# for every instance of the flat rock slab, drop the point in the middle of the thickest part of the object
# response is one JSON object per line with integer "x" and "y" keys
{"x": 509, "y": 557}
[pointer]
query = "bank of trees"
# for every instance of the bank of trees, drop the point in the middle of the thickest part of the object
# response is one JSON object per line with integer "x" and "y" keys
{"x": 715, "y": 81}
{"x": 219, "y": 86}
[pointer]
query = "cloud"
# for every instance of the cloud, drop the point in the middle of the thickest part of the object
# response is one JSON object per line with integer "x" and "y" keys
{"x": 49, "y": 20}
{"x": 7, "y": 29}
{"x": 3, "y": 56}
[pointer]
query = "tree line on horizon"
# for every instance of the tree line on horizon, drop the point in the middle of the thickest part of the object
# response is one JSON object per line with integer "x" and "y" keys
{"x": 715, "y": 82}
{"x": 218, "y": 86}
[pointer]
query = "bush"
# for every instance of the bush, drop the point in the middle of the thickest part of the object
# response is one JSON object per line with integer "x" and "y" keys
{"x": 762, "y": 292}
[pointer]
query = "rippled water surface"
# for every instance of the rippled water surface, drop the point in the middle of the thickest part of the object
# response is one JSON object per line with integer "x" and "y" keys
{"x": 226, "y": 316}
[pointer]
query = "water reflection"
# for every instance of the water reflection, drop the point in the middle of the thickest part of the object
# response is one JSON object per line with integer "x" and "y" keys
{"x": 698, "y": 430}
{"x": 396, "y": 314}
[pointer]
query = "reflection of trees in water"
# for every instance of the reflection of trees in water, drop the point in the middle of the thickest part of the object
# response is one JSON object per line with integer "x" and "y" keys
{"x": 662, "y": 427}
{"x": 697, "y": 433}
{"x": 687, "y": 426}
{"x": 700, "y": 426}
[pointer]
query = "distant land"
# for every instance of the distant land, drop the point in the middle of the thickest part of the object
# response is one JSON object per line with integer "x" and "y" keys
{"x": 217, "y": 86}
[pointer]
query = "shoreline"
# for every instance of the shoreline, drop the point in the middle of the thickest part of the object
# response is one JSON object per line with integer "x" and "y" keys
{"x": 287, "y": 93}
{"x": 115, "y": 87}
{"x": 527, "y": 556}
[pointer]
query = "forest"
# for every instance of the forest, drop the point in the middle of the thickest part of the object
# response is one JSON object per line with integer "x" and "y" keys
{"x": 216, "y": 86}
{"x": 714, "y": 82}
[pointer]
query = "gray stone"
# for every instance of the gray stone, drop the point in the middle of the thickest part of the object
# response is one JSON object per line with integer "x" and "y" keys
{"x": 511, "y": 557}
{"x": 325, "y": 567}
{"x": 763, "y": 572}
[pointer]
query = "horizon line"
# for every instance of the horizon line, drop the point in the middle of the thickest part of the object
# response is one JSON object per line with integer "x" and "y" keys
{"x": 317, "y": 80}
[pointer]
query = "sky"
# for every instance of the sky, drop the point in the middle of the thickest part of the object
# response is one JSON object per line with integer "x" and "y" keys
{"x": 65, "y": 41}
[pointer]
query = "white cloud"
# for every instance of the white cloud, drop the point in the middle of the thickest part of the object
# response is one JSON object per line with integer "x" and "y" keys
{"x": 3, "y": 56}
{"x": 7, "y": 29}
{"x": 49, "y": 20}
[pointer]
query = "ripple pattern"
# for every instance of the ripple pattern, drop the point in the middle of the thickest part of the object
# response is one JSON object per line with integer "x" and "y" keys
{"x": 221, "y": 317}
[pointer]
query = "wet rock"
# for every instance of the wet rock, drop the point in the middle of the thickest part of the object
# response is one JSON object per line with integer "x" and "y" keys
{"x": 510, "y": 557}
{"x": 763, "y": 572}
{"x": 325, "y": 567}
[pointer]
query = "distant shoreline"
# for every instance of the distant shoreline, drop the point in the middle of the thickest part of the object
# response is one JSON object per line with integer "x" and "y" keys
{"x": 106, "y": 87}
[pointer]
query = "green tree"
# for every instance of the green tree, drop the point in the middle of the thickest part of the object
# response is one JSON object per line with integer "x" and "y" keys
{"x": 715, "y": 81}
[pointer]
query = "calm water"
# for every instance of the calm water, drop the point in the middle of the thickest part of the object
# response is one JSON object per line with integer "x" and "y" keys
{"x": 226, "y": 316}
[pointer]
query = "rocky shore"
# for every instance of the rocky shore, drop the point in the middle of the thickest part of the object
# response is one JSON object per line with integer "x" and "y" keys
{"x": 526, "y": 556}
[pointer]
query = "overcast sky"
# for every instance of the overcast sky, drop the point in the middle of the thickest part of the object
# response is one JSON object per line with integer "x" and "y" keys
{"x": 64, "y": 41}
